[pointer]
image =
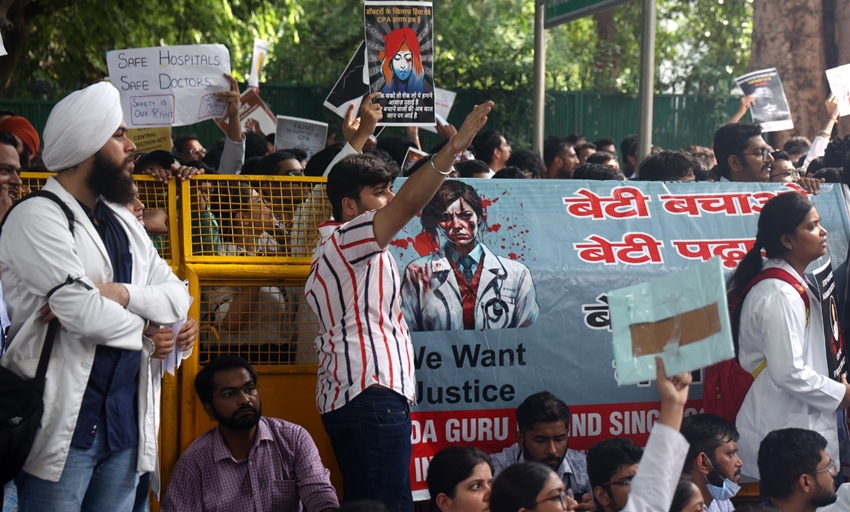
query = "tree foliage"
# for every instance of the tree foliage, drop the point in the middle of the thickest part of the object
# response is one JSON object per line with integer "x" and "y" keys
{"x": 488, "y": 44}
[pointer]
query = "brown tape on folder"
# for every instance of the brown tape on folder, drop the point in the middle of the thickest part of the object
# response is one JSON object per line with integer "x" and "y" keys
{"x": 695, "y": 325}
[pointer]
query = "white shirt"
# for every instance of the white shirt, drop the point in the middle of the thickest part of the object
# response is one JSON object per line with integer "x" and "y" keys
{"x": 354, "y": 289}
{"x": 655, "y": 483}
{"x": 794, "y": 390}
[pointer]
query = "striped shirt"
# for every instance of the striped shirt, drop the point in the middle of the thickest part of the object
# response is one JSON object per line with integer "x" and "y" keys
{"x": 363, "y": 340}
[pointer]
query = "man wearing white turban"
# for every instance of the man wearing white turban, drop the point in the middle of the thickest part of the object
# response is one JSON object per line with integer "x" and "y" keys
{"x": 107, "y": 286}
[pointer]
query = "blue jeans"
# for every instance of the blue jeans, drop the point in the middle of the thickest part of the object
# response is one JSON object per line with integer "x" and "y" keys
{"x": 370, "y": 437}
{"x": 93, "y": 480}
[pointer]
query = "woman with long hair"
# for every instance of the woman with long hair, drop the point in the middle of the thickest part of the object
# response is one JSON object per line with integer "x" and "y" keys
{"x": 781, "y": 337}
{"x": 401, "y": 62}
{"x": 528, "y": 486}
{"x": 459, "y": 479}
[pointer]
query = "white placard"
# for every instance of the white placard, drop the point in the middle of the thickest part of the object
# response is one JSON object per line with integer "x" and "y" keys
{"x": 3, "y": 47}
{"x": 170, "y": 85}
{"x": 443, "y": 101}
{"x": 261, "y": 53}
{"x": 839, "y": 83}
{"x": 294, "y": 132}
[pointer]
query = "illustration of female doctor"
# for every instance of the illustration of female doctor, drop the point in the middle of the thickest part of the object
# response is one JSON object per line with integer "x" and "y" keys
{"x": 464, "y": 285}
{"x": 401, "y": 62}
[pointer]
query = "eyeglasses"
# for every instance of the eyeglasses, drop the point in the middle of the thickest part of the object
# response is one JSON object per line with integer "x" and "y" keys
{"x": 832, "y": 467}
{"x": 198, "y": 152}
{"x": 561, "y": 498}
{"x": 764, "y": 153}
{"x": 250, "y": 390}
{"x": 624, "y": 483}
{"x": 294, "y": 172}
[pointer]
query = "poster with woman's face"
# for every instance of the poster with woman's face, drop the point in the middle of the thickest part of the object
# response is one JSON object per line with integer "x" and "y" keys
{"x": 400, "y": 58}
{"x": 771, "y": 109}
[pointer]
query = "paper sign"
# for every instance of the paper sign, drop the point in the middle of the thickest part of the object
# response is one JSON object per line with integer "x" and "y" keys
{"x": 150, "y": 139}
{"x": 294, "y": 132}
{"x": 254, "y": 115}
{"x": 400, "y": 58}
{"x": 682, "y": 318}
{"x": 170, "y": 85}
{"x": 261, "y": 52}
{"x": 172, "y": 361}
{"x": 771, "y": 109}
{"x": 412, "y": 156}
{"x": 444, "y": 99}
{"x": 839, "y": 83}
{"x": 3, "y": 47}
{"x": 351, "y": 85}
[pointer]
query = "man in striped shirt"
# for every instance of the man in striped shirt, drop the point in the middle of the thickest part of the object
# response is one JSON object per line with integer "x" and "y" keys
{"x": 365, "y": 379}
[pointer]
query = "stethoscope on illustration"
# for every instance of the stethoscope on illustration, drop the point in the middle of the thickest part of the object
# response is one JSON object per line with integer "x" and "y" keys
{"x": 496, "y": 310}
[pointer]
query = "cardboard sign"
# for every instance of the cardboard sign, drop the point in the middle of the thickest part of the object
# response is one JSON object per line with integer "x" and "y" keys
{"x": 150, "y": 139}
{"x": 400, "y": 59}
{"x": 444, "y": 99}
{"x": 682, "y": 318}
{"x": 294, "y": 132}
{"x": 350, "y": 87}
{"x": 170, "y": 85}
{"x": 771, "y": 109}
{"x": 412, "y": 156}
{"x": 261, "y": 52}
{"x": 839, "y": 83}
{"x": 254, "y": 115}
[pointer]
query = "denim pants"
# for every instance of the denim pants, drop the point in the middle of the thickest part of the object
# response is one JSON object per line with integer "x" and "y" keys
{"x": 370, "y": 437}
{"x": 93, "y": 480}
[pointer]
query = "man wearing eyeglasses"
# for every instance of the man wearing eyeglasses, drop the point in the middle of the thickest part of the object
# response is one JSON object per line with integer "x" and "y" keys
{"x": 611, "y": 465}
{"x": 796, "y": 471}
{"x": 783, "y": 170}
{"x": 712, "y": 462}
{"x": 248, "y": 462}
{"x": 744, "y": 157}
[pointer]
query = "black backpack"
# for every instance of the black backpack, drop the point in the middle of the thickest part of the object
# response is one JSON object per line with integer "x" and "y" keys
{"x": 21, "y": 400}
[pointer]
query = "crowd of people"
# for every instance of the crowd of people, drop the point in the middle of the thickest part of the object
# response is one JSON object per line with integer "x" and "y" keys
{"x": 121, "y": 310}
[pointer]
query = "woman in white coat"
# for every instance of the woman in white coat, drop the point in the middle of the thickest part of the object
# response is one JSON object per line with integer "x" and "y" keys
{"x": 463, "y": 285}
{"x": 780, "y": 342}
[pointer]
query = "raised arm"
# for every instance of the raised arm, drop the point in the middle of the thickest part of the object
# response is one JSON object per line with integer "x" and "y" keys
{"x": 423, "y": 184}
{"x": 746, "y": 103}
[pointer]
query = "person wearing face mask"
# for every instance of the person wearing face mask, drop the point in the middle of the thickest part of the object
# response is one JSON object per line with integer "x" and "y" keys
{"x": 463, "y": 285}
{"x": 712, "y": 462}
{"x": 459, "y": 479}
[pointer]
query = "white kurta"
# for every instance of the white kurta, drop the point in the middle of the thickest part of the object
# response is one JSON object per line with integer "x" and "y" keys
{"x": 794, "y": 390}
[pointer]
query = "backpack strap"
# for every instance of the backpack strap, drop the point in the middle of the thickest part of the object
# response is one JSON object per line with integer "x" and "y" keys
{"x": 768, "y": 273}
{"x": 49, "y": 195}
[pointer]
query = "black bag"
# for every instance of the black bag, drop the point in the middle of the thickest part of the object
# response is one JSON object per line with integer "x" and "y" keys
{"x": 21, "y": 400}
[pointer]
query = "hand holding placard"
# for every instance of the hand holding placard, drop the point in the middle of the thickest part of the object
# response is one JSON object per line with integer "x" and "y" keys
{"x": 170, "y": 85}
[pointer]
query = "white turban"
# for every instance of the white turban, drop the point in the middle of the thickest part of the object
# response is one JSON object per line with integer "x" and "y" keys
{"x": 80, "y": 125}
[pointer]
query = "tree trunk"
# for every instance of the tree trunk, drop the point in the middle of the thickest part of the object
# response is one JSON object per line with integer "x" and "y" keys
{"x": 608, "y": 52}
{"x": 15, "y": 41}
{"x": 789, "y": 35}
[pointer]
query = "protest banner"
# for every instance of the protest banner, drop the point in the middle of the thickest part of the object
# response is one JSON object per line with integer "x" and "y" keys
{"x": 443, "y": 101}
{"x": 294, "y": 132}
{"x": 771, "y": 109}
{"x": 170, "y": 85}
{"x": 258, "y": 60}
{"x": 400, "y": 60}
{"x": 254, "y": 115}
{"x": 682, "y": 318}
{"x": 540, "y": 319}
{"x": 150, "y": 139}
{"x": 412, "y": 156}
{"x": 351, "y": 86}
{"x": 839, "y": 84}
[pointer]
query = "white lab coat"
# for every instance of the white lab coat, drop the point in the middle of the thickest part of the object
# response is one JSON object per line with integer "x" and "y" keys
{"x": 37, "y": 253}
{"x": 794, "y": 390}
{"x": 655, "y": 482}
{"x": 431, "y": 301}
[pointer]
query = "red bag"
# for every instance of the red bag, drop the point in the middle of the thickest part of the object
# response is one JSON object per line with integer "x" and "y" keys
{"x": 727, "y": 383}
